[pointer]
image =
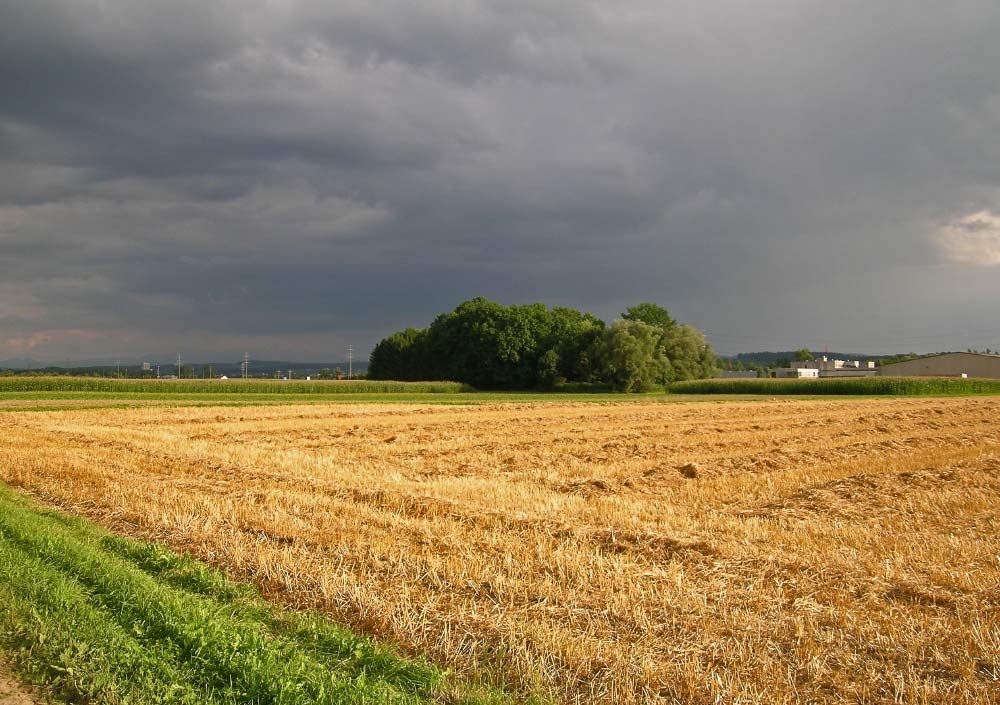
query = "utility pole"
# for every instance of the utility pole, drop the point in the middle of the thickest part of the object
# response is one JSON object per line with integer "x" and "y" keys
{"x": 350, "y": 361}
{"x": 178, "y": 365}
{"x": 246, "y": 364}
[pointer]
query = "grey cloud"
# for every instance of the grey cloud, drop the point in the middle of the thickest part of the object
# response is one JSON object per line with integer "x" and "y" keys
{"x": 294, "y": 173}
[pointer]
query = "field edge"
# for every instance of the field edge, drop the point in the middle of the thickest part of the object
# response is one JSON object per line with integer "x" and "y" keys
{"x": 92, "y": 615}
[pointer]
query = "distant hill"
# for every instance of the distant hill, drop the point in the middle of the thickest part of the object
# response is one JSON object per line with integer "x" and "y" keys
{"x": 20, "y": 363}
{"x": 769, "y": 359}
{"x": 257, "y": 368}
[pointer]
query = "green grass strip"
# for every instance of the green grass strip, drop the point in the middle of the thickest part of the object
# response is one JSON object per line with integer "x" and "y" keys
{"x": 119, "y": 621}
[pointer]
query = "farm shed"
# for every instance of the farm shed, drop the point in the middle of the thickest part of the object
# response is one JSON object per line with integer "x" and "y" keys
{"x": 797, "y": 373}
{"x": 953, "y": 364}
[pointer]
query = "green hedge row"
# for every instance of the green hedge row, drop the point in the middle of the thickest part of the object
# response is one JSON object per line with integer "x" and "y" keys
{"x": 222, "y": 386}
{"x": 890, "y": 386}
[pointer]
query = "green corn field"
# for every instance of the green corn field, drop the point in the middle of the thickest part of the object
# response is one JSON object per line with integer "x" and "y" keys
{"x": 220, "y": 386}
{"x": 887, "y": 386}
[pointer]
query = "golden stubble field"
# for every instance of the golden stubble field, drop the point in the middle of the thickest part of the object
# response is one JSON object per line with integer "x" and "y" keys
{"x": 778, "y": 551}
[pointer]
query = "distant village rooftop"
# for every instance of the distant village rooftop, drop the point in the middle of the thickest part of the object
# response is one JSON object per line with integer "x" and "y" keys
{"x": 825, "y": 367}
{"x": 950, "y": 364}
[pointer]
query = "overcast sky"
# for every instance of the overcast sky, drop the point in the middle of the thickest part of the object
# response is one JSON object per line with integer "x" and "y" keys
{"x": 289, "y": 177}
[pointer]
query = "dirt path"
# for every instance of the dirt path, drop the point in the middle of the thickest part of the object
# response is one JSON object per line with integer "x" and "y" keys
{"x": 11, "y": 690}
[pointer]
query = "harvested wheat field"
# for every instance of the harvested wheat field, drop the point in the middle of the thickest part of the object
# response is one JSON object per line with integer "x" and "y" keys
{"x": 780, "y": 551}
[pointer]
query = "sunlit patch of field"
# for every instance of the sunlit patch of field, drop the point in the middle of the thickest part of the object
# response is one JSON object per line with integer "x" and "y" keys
{"x": 778, "y": 551}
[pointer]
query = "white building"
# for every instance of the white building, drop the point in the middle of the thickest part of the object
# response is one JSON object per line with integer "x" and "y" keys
{"x": 825, "y": 367}
{"x": 797, "y": 373}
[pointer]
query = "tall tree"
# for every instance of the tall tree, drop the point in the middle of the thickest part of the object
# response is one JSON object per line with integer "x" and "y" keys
{"x": 400, "y": 356}
{"x": 632, "y": 357}
{"x": 651, "y": 314}
{"x": 690, "y": 356}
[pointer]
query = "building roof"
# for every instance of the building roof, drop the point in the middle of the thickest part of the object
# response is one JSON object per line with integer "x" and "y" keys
{"x": 959, "y": 352}
{"x": 942, "y": 354}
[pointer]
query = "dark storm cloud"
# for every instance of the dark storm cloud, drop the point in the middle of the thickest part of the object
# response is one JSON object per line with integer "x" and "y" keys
{"x": 293, "y": 176}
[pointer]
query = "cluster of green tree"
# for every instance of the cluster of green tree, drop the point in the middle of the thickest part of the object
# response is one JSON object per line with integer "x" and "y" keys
{"x": 782, "y": 358}
{"x": 734, "y": 364}
{"x": 323, "y": 373}
{"x": 764, "y": 363}
{"x": 902, "y": 357}
{"x": 492, "y": 346}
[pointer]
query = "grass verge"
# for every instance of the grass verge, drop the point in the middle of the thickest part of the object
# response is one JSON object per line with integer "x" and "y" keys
{"x": 107, "y": 619}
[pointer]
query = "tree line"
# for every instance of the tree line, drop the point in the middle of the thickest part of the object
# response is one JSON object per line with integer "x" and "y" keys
{"x": 491, "y": 346}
